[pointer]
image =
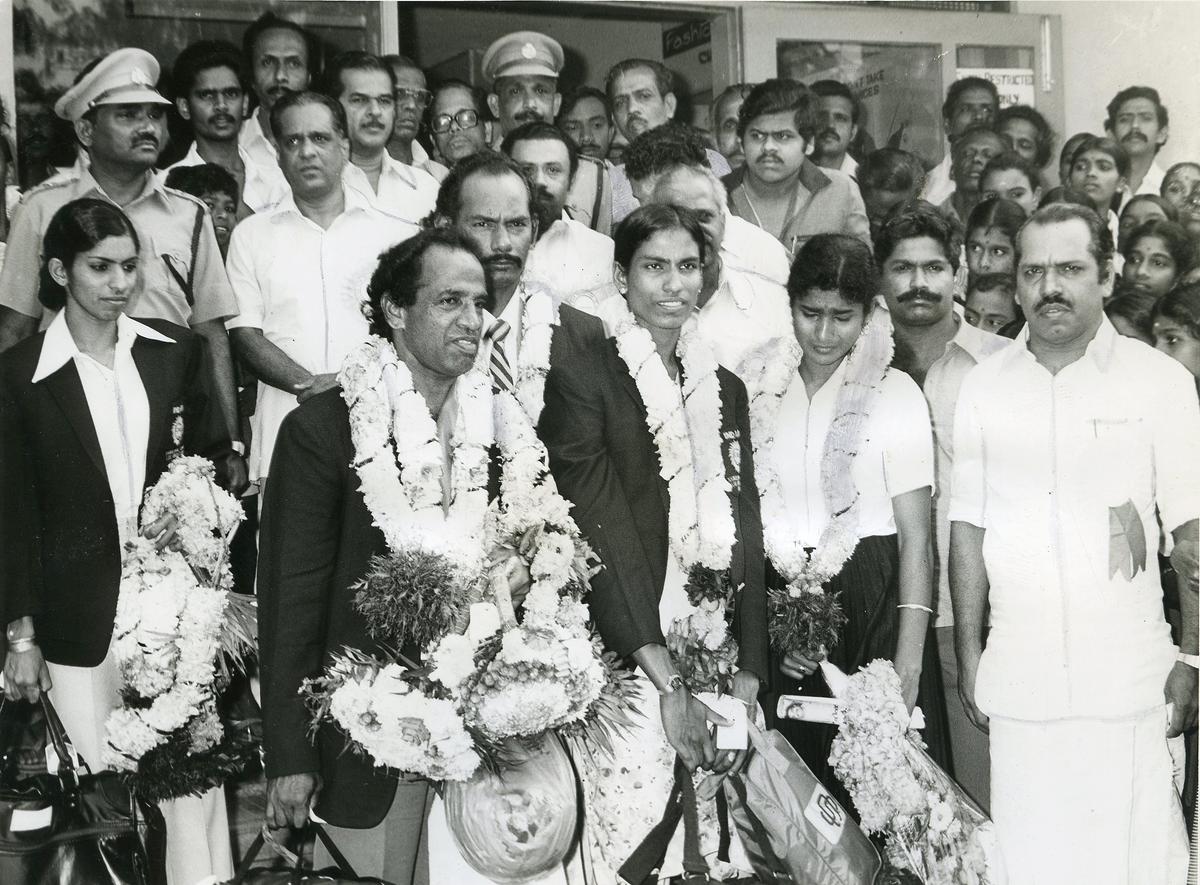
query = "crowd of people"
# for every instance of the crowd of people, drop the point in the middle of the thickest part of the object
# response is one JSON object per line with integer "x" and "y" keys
{"x": 962, "y": 398}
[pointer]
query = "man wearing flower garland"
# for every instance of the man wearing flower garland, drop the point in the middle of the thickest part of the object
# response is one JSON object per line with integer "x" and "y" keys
{"x": 1055, "y": 527}
{"x": 318, "y": 538}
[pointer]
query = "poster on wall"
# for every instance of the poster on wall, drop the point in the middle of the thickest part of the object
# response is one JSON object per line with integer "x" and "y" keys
{"x": 899, "y": 89}
{"x": 1015, "y": 85}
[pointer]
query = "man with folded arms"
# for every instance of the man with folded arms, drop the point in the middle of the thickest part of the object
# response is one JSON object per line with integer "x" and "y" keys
{"x": 1072, "y": 444}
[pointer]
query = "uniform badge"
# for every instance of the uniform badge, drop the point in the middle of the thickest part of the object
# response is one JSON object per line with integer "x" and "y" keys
{"x": 528, "y": 51}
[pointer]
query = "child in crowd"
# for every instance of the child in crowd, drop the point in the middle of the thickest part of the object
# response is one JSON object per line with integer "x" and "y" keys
{"x": 1100, "y": 168}
{"x": 991, "y": 231}
{"x": 1139, "y": 210}
{"x": 1179, "y": 182}
{"x": 1157, "y": 254}
{"x": 888, "y": 179}
{"x": 1012, "y": 177}
{"x": 1177, "y": 327}
{"x": 217, "y": 188}
{"x": 991, "y": 302}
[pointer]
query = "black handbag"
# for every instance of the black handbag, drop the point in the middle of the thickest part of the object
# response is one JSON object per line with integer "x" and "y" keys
{"x": 76, "y": 827}
{"x": 298, "y": 872}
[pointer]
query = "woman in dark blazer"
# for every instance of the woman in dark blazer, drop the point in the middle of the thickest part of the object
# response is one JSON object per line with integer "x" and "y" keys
{"x": 606, "y": 461}
{"x": 91, "y": 411}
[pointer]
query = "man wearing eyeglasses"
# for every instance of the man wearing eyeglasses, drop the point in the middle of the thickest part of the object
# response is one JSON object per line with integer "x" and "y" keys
{"x": 365, "y": 87}
{"x": 457, "y": 122}
{"x": 521, "y": 70}
{"x": 210, "y": 95}
{"x": 412, "y": 100}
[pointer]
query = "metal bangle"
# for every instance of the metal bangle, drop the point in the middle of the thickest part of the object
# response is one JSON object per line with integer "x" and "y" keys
{"x": 25, "y": 643}
{"x": 917, "y": 606}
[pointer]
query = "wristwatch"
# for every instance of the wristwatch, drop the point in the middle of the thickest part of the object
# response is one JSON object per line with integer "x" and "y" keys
{"x": 674, "y": 684}
{"x": 1191, "y": 660}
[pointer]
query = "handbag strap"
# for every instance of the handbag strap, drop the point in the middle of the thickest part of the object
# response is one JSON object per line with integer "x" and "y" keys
{"x": 250, "y": 857}
{"x": 68, "y": 762}
{"x": 778, "y": 867}
{"x": 642, "y": 865}
{"x": 335, "y": 853}
{"x": 694, "y": 867}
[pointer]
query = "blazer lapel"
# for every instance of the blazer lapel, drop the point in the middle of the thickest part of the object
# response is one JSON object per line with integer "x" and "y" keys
{"x": 67, "y": 390}
{"x": 156, "y": 381}
{"x": 631, "y": 389}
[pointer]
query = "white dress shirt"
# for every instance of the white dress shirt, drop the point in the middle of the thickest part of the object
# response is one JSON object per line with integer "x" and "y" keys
{"x": 264, "y": 184}
{"x": 1068, "y": 474}
{"x": 512, "y": 314}
{"x": 254, "y": 142}
{"x": 304, "y": 288}
{"x": 404, "y": 192}
{"x": 747, "y": 247}
{"x": 570, "y": 258}
{"x": 849, "y": 166}
{"x": 120, "y": 410}
{"x": 895, "y": 457}
{"x": 938, "y": 183}
{"x": 963, "y": 352}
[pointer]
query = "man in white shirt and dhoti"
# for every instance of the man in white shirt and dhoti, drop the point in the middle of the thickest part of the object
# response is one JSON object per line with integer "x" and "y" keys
{"x": 1072, "y": 446}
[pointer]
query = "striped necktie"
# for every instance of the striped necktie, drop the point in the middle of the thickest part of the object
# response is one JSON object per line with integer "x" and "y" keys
{"x": 501, "y": 372}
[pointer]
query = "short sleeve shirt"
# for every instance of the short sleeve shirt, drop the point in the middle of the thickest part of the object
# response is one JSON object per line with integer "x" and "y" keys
{"x": 166, "y": 223}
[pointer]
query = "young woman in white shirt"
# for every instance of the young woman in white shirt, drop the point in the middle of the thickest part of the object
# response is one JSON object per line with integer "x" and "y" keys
{"x": 844, "y": 462}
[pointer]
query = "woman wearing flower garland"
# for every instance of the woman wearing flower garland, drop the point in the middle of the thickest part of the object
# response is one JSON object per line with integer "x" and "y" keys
{"x": 649, "y": 438}
{"x": 843, "y": 453}
{"x": 90, "y": 412}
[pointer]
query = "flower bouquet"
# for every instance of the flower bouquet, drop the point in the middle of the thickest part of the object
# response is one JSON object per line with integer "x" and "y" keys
{"x": 931, "y": 827}
{"x": 177, "y": 631}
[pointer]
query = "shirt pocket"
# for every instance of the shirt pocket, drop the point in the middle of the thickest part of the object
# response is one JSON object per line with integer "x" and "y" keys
{"x": 162, "y": 249}
{"x": 1121, "y": 467}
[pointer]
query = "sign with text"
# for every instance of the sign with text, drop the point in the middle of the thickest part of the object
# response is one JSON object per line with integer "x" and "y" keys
{"x": 1015, "y": 85}
{"x": 681, "y": 38}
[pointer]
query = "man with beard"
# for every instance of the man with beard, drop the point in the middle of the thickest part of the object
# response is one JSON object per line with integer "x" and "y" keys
{"x": 568, "y": 257}
{"x": 837, "y": 126}
{"x": 642, "y": 95}
{"x": 1138, "y": 121}
{"x": 1075, "y": 454}
{"x": 120, "y": 119}
{"x": 488, "y": 200}
{"x": 299, "y": 269}
{"x": 918, "y": 253}
{"x": 586, "y": 117}
{"x": 412, "y": 98}
{"x": 366, "y": 89}
{"x": 970, "y": 153}
{"x": 278, "y": 55}
{"x": 209, "y": 95}
{"x": 971, "y": 101}
{"x": 780, "y": 189}
{"x": 521, "y": 71}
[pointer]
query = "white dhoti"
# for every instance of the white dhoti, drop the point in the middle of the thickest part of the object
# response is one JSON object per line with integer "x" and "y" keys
{"x": 198, "y": 847}
{"x": 1087, "y": 800}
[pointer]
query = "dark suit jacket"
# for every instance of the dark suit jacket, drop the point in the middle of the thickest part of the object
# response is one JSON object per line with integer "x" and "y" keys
{"x": 604, "y": 461}
{"x": 60, "y": 559}
{"x": 316, "y": 539}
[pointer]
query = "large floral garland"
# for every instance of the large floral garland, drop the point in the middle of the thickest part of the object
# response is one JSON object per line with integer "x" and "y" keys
{"x": 687, "y": 436}
{"x": 538, "y": 319}
{"x": 170, "y": 630}
{"x": 489, "y": 678}
{"x": 770, "y": 371}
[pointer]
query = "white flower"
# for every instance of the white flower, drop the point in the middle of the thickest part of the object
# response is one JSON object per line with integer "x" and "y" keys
{"x": 453, "y": 660}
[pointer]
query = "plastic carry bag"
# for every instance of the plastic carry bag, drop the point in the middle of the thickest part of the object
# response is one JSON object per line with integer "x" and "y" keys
{"x": 793, "y": 830}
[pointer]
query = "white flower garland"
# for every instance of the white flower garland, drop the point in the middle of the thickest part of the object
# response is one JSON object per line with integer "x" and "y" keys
{"x": 390, "y": 421}
{"x": 688, "y": 440}
{"x": 166, "y": 633}
{"x": 538, "y": 319}
{"x": 769, "y": 372}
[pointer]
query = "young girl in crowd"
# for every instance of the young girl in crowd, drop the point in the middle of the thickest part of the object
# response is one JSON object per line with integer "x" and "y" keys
{"x": 1012, "y": 177}
{"x": 1177, "y": 327}
{"x": 1139, "y": 210}
{"x": 1100, "y": 168}
{"x": 991, "y": 231}
{"x": 991, "y": 302}
{"x": 1157, "y": 254}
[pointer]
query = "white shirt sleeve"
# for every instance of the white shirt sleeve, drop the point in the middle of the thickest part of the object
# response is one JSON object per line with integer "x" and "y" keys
{"x": 244, "y": 280}
{"x": 968, "y": 484}
{"x": 1176, "y": 464}
{"x": 908, "y": 437}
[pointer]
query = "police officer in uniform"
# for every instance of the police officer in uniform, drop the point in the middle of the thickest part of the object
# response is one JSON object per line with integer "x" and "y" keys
{"x": 521, "y": 72}
{"x": 120, "y": 120}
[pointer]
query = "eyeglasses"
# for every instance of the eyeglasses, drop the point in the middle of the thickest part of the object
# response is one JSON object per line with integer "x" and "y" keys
{"x": 419, "y": 97}
{"x": 466, "y": 119}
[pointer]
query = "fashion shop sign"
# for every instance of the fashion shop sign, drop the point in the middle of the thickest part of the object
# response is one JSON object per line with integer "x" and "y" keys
{"x": 680, "y": 39}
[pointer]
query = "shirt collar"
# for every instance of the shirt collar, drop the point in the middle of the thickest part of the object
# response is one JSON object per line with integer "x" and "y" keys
{"x": 970, "y": 339}
{"x": 1099, "y": 350}
{"x": 86, "y": 183}
{"x": 355, "y": 200}
{"x": 59, "y": 348}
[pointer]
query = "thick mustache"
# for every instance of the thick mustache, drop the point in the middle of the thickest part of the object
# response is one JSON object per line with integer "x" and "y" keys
{"x": 528, "y": 116}
{"x": 1132, "y": 135}
{"x": 1050, "y": 300}
{"x": 222, "y": 118}
{"x": 147, "y": 139}
{"x": 832, "y": 133}
{"x": 920, "y": 293}
{"x": 503, "y": 260}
